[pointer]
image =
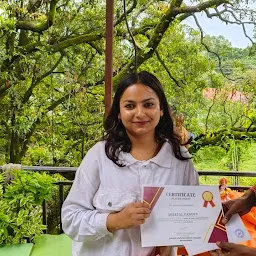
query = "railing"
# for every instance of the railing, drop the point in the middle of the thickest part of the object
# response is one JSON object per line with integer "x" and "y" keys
{"x": 65, "y": 170}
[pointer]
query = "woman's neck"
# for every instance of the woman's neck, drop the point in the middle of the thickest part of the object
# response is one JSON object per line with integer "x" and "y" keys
{"x": 144, "y": 149}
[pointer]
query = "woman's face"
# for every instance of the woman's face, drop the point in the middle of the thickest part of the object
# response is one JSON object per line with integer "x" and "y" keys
{"x": 140, "y": 110}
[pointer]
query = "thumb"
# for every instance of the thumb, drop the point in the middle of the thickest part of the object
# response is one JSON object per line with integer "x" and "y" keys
{"x": 225, "y": 246}
{"x": 228, "y": 215}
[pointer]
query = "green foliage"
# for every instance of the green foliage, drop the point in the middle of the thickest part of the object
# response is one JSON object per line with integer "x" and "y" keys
{"x": 52, "y": 62}
{"x": 210, "y": 158}
{"x": 217, "y": 158}
{"x": 21, "y": 206}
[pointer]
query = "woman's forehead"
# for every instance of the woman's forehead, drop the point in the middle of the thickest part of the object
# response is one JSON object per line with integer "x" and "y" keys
{"x": 139, "y": 90}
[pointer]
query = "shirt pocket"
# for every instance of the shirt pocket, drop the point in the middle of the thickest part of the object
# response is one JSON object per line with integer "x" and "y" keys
{"x": 113, "y": 200}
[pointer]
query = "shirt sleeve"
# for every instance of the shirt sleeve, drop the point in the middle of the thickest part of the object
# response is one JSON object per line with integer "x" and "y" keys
{"x": 191, "y": 176}
{"x": 80, "y": 220}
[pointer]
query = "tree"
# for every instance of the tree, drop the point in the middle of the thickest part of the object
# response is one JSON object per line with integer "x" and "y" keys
{"x": 53, "y": 53}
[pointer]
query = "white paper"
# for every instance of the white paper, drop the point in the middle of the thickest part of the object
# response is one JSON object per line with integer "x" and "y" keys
{"x": 236, "y": 230}
{"x": 181, "y": 215}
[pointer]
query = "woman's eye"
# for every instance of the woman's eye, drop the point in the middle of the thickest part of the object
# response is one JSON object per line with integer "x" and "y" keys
{"x": 149, "y": 105}
{"x": 129, "y": 106}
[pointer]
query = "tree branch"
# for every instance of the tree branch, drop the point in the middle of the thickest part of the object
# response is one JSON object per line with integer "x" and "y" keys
{"x": 173, "y": 11}
{"x": 232, "y": 11}
{"x": 39, "y": 79}
{"x": 225, "y": 110}
{"x": 166, "y": 69}
{"x": 27, "y": 136}
{"x": 39, "y": 26}
{"x": 33, "y": 47}
{"x": 154, "y": 41}
{"x": 210, "y": 51}
{"x": 200, "y": 7}
{"x": 209, "y": 110}
{"x": 122, "y": 17}
{"x": 216, "y": 139}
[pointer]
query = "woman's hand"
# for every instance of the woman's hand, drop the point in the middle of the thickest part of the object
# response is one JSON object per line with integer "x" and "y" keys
{"x": 132, "y": 215}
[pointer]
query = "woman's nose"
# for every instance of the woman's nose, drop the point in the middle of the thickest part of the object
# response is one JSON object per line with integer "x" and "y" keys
{"x": 139, "y": 111}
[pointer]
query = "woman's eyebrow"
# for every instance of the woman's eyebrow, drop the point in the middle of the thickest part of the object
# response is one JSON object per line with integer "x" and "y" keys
{"x": 132, "y": 101}
{"x": 148, "y": 99}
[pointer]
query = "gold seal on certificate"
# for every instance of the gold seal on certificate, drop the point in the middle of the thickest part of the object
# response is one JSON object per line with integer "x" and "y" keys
{"x": 208, "y": 198}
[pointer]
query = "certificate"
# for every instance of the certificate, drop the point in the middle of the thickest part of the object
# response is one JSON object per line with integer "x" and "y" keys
{"x": 183, "y": 215}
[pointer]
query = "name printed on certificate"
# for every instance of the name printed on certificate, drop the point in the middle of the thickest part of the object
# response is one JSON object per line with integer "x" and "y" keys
{"x": 182, "y": 215}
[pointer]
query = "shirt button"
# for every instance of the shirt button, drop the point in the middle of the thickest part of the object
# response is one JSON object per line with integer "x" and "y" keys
{"x": 109, "y": 204}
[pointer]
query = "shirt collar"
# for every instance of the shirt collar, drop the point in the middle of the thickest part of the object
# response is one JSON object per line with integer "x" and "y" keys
{"x": 163, "y": 158}
{"x": 160, "y": 159}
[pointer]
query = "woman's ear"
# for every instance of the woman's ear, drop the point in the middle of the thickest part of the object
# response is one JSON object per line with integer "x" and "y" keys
{"x": 161, "y": 113}
{"x": 119, "y": 116}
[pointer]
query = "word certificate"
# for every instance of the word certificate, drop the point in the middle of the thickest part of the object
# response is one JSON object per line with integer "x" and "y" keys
{"x": 183, "y": 215}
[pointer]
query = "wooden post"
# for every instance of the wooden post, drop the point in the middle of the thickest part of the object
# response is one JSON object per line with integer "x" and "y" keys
{"x": 109, "y": 54}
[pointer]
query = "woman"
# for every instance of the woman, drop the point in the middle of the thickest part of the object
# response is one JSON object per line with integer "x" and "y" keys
{"x": 103, "y": 211}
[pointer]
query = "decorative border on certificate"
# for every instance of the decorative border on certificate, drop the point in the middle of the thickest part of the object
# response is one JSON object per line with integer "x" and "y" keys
{"x": 151, "y": 195}
{"x": 219, "y": 232}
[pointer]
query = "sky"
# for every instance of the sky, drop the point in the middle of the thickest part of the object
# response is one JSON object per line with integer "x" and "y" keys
{"x": 215, "y": 27}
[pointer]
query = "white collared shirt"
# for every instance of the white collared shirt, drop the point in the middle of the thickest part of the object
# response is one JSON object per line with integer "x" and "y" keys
{"x": 101, "y": 187}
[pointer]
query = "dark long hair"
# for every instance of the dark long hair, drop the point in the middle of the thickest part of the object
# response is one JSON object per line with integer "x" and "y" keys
{"x": 116, "y": 137}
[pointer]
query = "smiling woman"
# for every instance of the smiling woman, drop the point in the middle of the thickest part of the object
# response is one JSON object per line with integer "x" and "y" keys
{"x": 103, "y": 211}
{"x": 139, "y": 120}
{"x": 140, "y": 113}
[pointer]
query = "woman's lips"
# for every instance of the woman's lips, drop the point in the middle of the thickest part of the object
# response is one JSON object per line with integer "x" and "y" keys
{"x": 141, "y": 123}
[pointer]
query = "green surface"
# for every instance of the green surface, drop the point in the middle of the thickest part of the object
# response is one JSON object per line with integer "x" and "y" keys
{"x": 16, "y": 250}
{"x": 52, "y": 245}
